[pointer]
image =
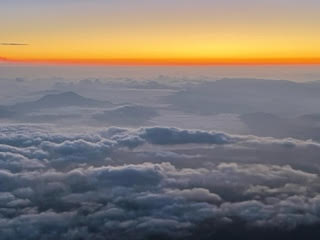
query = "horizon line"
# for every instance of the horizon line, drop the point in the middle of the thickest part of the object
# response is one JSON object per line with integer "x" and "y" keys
{"x": 167, "y": 61}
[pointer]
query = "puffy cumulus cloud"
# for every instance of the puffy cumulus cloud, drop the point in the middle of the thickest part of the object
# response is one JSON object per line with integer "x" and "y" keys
{"x": 176, "y": 136}
{"x": 166, "y": 137}
{"x": 196, "y": 194}
{"x": 170, "y": 136}
{"x": 60, "y": 185}
{"x": 17, "y": 162}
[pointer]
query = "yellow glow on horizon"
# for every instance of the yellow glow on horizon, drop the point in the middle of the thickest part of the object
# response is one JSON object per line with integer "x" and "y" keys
{"x": 191, "y": 36}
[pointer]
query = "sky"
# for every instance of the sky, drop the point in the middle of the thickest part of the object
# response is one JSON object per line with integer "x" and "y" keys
{"x": 160, "y": 32}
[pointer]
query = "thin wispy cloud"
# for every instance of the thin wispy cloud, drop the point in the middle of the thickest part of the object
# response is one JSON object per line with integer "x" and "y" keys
{"x": 13, "y": 44}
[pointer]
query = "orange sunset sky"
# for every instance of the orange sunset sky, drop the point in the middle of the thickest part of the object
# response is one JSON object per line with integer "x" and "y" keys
{"x": 161, "y": 32}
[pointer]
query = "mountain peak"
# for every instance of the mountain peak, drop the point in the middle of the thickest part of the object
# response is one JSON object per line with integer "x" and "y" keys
{"x": 61, "y": 95}
{"x": 63, "y": 99}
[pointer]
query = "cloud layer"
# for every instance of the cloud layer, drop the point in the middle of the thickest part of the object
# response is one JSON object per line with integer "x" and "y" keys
{"x": 69, "y": 185}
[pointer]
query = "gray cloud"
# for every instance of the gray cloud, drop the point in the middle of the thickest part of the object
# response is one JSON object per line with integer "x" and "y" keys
{"x": 176, "y": 136}
{"x": 268, "y": 108}
{"x": 60, "y": 185}
{"x": 127, "y": 115}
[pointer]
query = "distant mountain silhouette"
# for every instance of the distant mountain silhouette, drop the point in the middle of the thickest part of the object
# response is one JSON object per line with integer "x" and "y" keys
{"x": 65, "y": 99}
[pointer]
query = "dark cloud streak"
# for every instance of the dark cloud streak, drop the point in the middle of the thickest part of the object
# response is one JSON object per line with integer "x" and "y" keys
{"x": 13, "y": 44}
